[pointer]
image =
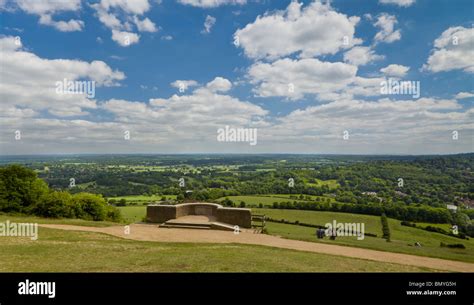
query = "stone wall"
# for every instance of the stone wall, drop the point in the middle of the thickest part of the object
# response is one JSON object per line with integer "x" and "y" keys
{"x": 232, "y": 216}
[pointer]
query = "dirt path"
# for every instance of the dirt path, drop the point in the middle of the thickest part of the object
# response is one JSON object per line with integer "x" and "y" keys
{"x": 146, "y": 232}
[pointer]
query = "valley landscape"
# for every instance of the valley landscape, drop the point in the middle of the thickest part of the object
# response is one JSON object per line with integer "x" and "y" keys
{"x": 296, "y": 193}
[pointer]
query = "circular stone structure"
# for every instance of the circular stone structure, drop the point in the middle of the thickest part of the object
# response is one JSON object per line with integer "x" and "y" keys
{"x": 215, "y": 213}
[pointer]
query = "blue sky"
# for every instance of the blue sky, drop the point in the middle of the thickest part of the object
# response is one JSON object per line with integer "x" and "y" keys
{"x": 281, "y": 44}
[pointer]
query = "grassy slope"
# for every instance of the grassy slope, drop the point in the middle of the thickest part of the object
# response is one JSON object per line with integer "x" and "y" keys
{"x": 140, "y": 199}
{"x": 402, "y": 237}
{"x": 266, "y": 200}
{"x": 69, "y": 251}
{"x": 66, "y": 221}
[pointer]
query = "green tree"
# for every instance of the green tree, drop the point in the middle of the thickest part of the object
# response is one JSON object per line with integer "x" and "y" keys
{"x": 20, "y": 189}
{"x": 385, "y": 227}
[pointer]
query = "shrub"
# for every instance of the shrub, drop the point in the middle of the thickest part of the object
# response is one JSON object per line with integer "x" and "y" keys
{"x": 55, "y": 205}
{"x": 89, "y": 206}
{"x": 458, "y": 246}
{"x": 113, "y": 214}
{"x": 385, "y": 227}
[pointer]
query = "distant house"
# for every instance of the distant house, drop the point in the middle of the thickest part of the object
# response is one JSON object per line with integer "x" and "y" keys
{"x": 370, "y": 193}
{"x": 452, "y": 207}
{"x": 401, "y": 194}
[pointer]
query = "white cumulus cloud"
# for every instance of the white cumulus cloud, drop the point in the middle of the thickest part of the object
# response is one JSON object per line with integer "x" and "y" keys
{"x": 395, "y": 70}
{"x": 454, "y": 50}
{"x": 316, "y": 29}
{"x": 361, "y": 56}
{"x": 387, "y": 33}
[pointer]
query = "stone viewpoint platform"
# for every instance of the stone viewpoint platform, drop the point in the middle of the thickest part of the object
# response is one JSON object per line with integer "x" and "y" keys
{"x": 199, "y": 215}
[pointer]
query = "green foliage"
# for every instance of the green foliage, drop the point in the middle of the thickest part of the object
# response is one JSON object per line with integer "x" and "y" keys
{"x": 122, "y": 202}
{"x": 457, "y": 246}
{"x": 385, "y": 227}
{"x": 20, "y": 189}
{"x": 23, "y": 192}
{"x": 55, "y": 205}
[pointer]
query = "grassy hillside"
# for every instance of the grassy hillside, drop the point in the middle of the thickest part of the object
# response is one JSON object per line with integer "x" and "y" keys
{"x": 69, "y": 251}
{"x": 142, "y": 199}
{"x": 268, "y": 200}
{"x": 403, "y": 238}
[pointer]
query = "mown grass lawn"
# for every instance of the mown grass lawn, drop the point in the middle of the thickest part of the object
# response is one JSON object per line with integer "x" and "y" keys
{"x": 71, "y": 251}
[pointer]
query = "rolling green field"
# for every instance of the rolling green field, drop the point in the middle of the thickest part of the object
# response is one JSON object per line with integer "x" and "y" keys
{"x": 143, "y": 199}
{"x": 268, "y": 200}
{"x": 72, "y": 251}
{"x": 132, "y": 214}
{"x": 332, "y": 183}
{"x": 403, "y": 238}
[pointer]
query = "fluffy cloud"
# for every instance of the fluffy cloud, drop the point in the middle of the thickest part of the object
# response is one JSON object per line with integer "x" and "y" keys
{"x": 462, "y": 95}
{"x": 208, "y": 24}
{"x": 219, "y": 84}
{"x": 184, "y": 84}
{"x": 314, "y": 30}
{"x": 387, "y": 32}
{"x": 120, "y": 15}
{"x": 125, "y": 39}
{"x": 395, "y": 70}
{"x": 185, "y": 122}
{"x": 63, "y": 26}
{"x": 295, "y": 78}
{"x": 137, "y": 7}
{"x": 453, "y": 50}
{"x": 144, "y": 25}
{"x": 361, "y": 55}
{"x": 211, "y": 3}
{"x": 384, "y": 126}
{"x": 46, "y": 8}
{"x": 402, "y": 3}
{"x": 30, "y": 81}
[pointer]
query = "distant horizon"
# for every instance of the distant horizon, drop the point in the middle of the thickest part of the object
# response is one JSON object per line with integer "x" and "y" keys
{"x": 235, "y": 154}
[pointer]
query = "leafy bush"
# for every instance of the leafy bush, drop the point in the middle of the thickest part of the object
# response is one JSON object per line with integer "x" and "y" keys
{"x": 21, "y": 191}
{"x": 89, "y": 206}
{"x": 55, "y": 205}
{"x": 385, "y": 227}
{"x": 457, "y": 246}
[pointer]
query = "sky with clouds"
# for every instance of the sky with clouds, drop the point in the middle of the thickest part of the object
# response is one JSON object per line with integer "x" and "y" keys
{"x": 169, "y": 74}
